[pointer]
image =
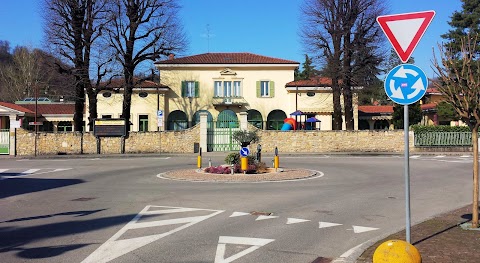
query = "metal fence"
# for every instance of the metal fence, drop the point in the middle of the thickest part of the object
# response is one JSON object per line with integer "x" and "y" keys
{"x": 443, "y": 139}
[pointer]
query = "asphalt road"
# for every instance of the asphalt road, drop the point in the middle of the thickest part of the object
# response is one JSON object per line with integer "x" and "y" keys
{"x": 118, "y": 210}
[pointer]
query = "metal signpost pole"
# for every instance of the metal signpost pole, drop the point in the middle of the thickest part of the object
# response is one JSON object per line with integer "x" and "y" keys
{"x": 407, "y": 173}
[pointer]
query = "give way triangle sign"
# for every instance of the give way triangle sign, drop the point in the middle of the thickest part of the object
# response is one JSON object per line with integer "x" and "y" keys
{"x": 404, "y": 31}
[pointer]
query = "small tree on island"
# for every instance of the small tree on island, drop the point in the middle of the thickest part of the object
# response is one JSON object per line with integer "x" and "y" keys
{"x": 245, "y": 137}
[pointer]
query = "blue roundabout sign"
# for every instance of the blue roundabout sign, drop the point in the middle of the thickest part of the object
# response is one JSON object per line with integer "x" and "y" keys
{"x": 406, "y": 84}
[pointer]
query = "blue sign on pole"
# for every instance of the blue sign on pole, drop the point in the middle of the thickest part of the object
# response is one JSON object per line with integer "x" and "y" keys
{"x": 406, "y": 84}
{"x": 244, "y": 152}
{"x": 160, "y": 113}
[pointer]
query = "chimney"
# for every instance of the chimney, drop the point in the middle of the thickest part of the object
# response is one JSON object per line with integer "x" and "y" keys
{"x": 171, "y": 57}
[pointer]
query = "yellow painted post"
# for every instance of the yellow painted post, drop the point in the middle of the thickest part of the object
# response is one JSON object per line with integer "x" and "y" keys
{"x": 199, "y": 159}
{"x": 276, "y": 160}
{"x": 396, "y": 251}
{"x": 244, "y": 164}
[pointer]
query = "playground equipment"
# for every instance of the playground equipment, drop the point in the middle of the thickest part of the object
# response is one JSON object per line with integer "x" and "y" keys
{"x": 289, "y": 124}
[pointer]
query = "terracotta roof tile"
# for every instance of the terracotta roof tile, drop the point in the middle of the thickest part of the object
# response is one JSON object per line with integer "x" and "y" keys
{"x": 313, "y": 82}
{"x": 226, "y": 58}
{"x": 52, "y": 108}
{"x": 428, "y": 106}
{"x": 376, "y": 109}
{"x": 15, "y": 107}
{"x": 120, "y": 82}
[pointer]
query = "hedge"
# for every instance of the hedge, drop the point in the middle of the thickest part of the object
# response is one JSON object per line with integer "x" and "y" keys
{"x": 418, "y": 129}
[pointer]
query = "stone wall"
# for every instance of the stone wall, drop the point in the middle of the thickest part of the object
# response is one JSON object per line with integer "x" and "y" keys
{"x": 76, "y": 143}
{"x": 333, "y": 141}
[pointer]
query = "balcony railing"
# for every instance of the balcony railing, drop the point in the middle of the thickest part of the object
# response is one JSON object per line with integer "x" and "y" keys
{"x": 229, "y": 101}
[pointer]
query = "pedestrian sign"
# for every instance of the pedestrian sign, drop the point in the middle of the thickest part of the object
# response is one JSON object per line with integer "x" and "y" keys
{"x": 406, "y": 84}
{"x": 244, "y": 152}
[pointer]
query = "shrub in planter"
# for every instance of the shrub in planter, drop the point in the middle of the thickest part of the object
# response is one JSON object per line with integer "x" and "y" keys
{"x": 234, "y": 158}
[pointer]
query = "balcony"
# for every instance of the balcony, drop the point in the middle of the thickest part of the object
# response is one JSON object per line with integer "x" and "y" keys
{"x": 229, "y": 101}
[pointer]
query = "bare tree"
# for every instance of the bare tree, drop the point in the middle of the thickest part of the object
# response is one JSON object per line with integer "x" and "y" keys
{"x": 343, "y": 34}
{"x": 143, "y": 30}
{"x": 460, "y": 85}
{"x": 322, "y": 35}
{"x": 72, "y": 27}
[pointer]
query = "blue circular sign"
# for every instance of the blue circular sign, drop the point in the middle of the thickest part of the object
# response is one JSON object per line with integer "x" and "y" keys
{"x": 406, "y": 84}
{"x": 244, "y": 152}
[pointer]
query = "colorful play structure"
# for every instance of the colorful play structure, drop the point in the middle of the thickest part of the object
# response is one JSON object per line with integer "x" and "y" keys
{"x": 289, "y": 124}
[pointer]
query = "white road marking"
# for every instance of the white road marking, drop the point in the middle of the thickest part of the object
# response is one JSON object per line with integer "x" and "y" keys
{"x": 265, "y": 217}
{"x": 361, "y": 229}
{"x": 439, "y": 156}
{"x": 114, "y": 248}
{"x": 465, "y": 156}
{"x": 235, "y": 214}
{"x": 30, "y": 171}
{"x": 414, "y": 156}
{"x": 255, "y": 243}
{"x": 296, "y": 220}
{"x": 1, "y": 171}
{"x": 327, "y": 224}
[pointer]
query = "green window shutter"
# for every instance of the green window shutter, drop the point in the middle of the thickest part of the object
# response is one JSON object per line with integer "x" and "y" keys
{"x": 184, "y": 89}
{"x": 197, "y": 89}
{"x": 258, "y": 90}
{"x": 272, "y": 89}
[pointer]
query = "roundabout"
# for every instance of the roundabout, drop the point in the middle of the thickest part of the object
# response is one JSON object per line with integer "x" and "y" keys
{"x": 282, "y": 175}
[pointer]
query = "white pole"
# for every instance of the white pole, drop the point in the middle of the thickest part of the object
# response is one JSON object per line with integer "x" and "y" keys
{"x": 407, "y": 174}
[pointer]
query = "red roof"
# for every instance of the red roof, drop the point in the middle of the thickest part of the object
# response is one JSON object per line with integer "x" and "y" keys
{"x": 120, "y": 82}
{"x": 376, "y": 109}
{"x": 428, "y": 106}
{"x": 52, "y": 108}
{"x": 433, "y": 90}
{"x": 313, "y": 82}
{"x": 226, "y": 58}
{"x": 15, "y": 107}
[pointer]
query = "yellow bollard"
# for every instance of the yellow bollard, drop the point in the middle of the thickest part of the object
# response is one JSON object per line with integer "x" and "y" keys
{"x": 276, "y": 162}
{"x": 244, "y": 164}
{"x": 396, "y": 251}
{"x": 199, "y": 162}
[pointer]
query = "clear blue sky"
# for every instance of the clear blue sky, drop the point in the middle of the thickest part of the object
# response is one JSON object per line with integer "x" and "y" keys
{"x": 265, "y": 27}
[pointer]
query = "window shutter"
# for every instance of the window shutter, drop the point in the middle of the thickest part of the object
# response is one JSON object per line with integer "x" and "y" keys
{"x": 272, "y": 89}
{"x": 197, "y": 89}
{"x": 259, "y": 94}
{"x": 184, "y": 89}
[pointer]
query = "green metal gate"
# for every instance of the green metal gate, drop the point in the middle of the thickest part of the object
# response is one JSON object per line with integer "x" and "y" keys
{"x": 219, "y": 133}
{"x": 4, "y": 142}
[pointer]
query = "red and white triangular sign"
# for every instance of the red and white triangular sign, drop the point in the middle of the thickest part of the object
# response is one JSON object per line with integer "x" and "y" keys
{"x": 404, "y": 31}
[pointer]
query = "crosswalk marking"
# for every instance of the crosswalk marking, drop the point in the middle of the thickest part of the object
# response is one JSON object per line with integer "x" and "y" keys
{"x": 235, "y": 214}
{"x": 255, "y": 244}
{"x": 361, "y": 229}
{"x": 265, "y": 217}
{"x": 114, "y": 248}
{"x": 30, "y": 171}
{"x": 327, "y": 224}
{"x": 16, "y": 172}
{"x": 296, "y": 220}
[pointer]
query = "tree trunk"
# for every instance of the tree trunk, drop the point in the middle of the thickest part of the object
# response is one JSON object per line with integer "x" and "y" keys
{"x": 347, "y": 101}
{"x": 79, "y": 104}
{"x": 475, "y": 177}
{"x": 92, "y": 106}
{"x": 337, "y": 106}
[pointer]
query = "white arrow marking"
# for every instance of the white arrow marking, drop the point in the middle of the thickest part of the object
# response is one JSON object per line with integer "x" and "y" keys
{"x": 415, "y": 157}
{"x": 30, "y": 171}
{"x": 439, "y": 156}
{"x": 255, "y": 243}
{"x": 327, "y": 224}
{"x": 115, "y": 248}
{"x": 235, "y": 214}
{"x": 265, "y": 217}
{"x": 465, "y": 156}
{"x": 296, "y": 220}
{"x": 396, "y": 93}
{"x": 402, "y": 73}
{"x": 418, "y": 86}
{"x": 361, "y": 229}
{"x": 3, "y": 170}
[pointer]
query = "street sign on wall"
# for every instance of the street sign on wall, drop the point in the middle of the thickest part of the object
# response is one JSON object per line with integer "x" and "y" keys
{"x": 406, "y": 84}
{"x": 109, "y": 127}
{"x": 404, "y": 31}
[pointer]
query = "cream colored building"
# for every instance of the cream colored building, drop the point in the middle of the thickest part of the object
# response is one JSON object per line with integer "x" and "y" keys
{"x": 222, "y": 85}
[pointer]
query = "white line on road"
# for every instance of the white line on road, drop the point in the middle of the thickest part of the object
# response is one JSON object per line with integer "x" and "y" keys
{"x": 255, "y": 243}
{"x": 296, "y": 220}
{"x": 361, "y": 229}
{"x": 327, "y": 224}
{"x": 235, "y": 214}
{"x": 265, "y": 217}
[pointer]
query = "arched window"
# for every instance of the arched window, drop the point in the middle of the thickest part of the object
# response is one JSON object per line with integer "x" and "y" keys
{"x": 275, "y": 119}
{"x": 227, "y": 119}
{"x": 177, "y": 120}
{"x": 196, "y": 117}
{"x": 254, "y": 117}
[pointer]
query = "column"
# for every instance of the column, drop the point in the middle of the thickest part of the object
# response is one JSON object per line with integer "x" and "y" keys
{"x": 55, "y": 126}
{"x": 12, "y": 146}
{"x": 371, "y": 124}
{"x": 243, "y": 121}
{"x": 203, "y": 131}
